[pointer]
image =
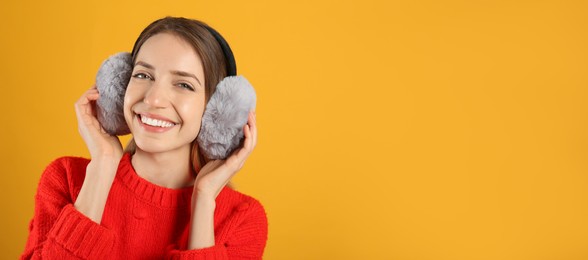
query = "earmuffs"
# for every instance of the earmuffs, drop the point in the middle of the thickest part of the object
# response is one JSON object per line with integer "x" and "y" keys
{"x": 221, "y": 130}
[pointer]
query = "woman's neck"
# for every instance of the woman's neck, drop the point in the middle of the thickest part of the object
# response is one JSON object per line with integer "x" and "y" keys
{"x": 171, "y": 169}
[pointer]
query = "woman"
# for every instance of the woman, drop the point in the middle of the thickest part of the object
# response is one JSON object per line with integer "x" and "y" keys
{"x": 160, "y": 198}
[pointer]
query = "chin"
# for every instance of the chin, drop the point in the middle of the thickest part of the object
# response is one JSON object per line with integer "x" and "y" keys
{"x": 151, "y": 146}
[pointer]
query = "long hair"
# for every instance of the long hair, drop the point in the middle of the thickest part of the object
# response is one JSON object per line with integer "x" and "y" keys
{"x": 208, "y": 48}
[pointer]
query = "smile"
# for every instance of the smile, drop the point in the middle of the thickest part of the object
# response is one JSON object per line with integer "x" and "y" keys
{"x": 155, "y": 122}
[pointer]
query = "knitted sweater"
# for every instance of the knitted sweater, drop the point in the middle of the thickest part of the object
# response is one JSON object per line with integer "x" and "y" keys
{"x": 140, "y": 220}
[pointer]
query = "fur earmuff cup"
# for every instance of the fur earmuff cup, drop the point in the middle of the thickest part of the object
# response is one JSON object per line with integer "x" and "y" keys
{"x": 226, "y": 113}
{"x": 111, "y": 81}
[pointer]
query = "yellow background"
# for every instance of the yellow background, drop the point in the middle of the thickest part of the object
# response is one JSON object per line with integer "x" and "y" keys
{"x": 388, "y": 129}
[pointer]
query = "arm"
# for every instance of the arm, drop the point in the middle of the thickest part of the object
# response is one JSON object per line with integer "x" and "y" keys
{"x": 61, "y": 228}
{"x": 250, "y": 236}
{"x": 242, "y": 236}
{"x": 94, "y": 192}
{"x": 106, "y": 152}
{"x": 58, "y": 230}
{"x": 210, "y": 181}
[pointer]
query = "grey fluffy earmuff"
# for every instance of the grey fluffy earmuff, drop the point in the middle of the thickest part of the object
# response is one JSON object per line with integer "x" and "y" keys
{"x": 111, "y": 81}
{"x": 225, "y": 115}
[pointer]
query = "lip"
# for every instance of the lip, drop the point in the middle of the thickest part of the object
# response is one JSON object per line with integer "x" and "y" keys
{"x": 154, "y": 129}
{"x": 158, "y": 117}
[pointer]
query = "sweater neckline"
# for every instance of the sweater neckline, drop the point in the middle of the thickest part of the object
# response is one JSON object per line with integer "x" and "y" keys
{"x": 149, "y": 192}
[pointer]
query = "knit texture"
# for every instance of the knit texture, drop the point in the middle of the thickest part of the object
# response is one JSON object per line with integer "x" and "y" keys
{"x": 140, "y": 221}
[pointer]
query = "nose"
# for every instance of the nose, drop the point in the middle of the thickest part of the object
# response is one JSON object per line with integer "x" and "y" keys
{"x": 156, "y": 96}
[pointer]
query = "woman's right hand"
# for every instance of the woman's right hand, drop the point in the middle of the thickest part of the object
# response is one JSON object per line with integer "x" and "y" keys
{"x": 100, "y": 144}
{"x": 106, "y": 151}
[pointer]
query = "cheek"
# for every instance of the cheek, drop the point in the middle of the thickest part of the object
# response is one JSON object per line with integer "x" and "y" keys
{"x": 191, "y": 111}
{"x": 132, "y": 96}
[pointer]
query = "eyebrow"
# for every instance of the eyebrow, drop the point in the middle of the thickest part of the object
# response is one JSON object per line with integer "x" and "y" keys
{"x": 186, "y": 74}
{"x": 145, "y": 64}
{"x": 175, "y": 72}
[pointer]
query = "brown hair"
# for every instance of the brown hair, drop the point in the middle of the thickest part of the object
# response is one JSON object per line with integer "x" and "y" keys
{"x": 196, "y": 34}
{"x": 204, "y": 43}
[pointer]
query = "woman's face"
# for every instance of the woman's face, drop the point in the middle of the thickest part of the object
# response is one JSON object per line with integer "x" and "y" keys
{"x": 165, "y": 98}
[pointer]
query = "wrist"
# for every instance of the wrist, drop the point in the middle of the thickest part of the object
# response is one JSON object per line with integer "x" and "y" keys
{"x": 203, "y": 204}
{"x": 202, "y": 222}
{"x": 105, "y": 163}
{"x": 107, "y": 157}
{"x": 204, "y": 201}
{"x": 93, "y": 195}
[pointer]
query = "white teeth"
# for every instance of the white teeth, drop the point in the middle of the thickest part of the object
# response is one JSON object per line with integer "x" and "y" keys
{"x": 155, "y": 122}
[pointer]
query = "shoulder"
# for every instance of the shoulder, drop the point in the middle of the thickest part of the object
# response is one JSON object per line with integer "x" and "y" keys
{"x": 239, "y": 201}
{"x": 67, "y": 163}
{"x": 233, "y": 197}
{"x": 68, "y": 166}
{"x": 63, "y": 175}
{"x": 245, "y": 221}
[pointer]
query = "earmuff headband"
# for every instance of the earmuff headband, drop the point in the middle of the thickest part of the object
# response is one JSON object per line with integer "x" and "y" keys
{"x": 229, "y": 57}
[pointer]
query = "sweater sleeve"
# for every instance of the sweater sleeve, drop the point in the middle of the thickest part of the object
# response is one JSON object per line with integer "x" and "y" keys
{"x": 244, "y": 237}
{"x": 58, "y": 230}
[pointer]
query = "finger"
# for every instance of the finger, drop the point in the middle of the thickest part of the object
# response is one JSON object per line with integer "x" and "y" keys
{"x": 253, "y": 128}
{"x": 89, "y": 95}
{"x": 248, "y": 142}
{"x": 237, "y": 159}
{"x": 92, "y": 95}
{"x": 84, "y": 106}
{"x": 238, "y": 156}
{"x": 250, "y": 133}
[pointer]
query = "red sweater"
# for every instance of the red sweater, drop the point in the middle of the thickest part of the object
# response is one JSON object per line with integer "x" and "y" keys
{"x": 140, "y": 220}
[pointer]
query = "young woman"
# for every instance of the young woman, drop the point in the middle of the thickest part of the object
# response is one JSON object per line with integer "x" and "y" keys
{"x": 159, "y": 199}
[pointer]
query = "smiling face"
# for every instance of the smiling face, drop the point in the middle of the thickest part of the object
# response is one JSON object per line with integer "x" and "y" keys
{"x": 165, "y": 98}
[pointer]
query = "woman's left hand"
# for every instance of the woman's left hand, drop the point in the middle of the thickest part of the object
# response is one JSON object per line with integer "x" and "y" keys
{"x": 217, "y": 173}
{"x": 210, "y": 181}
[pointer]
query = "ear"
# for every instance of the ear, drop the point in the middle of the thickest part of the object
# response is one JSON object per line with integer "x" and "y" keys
{"x": 111, "y": 81}
{"x": 225, "y": 115}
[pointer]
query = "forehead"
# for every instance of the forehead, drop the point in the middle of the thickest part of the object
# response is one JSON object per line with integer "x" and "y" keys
{"x": 167, "y": 51}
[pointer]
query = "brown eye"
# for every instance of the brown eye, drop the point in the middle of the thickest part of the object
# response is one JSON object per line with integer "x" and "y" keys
{"x": 186, "y": 86}
{"x": 141, "y": 76}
